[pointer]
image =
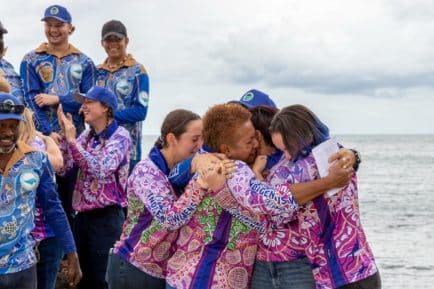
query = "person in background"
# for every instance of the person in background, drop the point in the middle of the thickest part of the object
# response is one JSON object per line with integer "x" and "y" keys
{"x": 128, "y": 80}
{"x": 52, "y": 74}
{"x": 102, "y": 154}
{"x": 7, "y": 70}
{"x": 26, "y": 174}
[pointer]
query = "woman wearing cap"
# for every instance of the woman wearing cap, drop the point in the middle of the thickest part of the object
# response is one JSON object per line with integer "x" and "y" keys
{"x": 102, "y": 155}
{"x": 128, "y": 80}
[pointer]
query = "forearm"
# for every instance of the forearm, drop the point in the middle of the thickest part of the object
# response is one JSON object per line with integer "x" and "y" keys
{"x": 305, "y": 192}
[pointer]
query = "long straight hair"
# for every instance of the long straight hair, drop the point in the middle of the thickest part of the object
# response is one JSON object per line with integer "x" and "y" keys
{"x": 300, "y": 128}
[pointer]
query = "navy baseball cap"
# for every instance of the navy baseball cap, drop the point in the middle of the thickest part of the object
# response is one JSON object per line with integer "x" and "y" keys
{"x": 256, "y": 97}
{"x": 100, "y": 94}
{"x": 10, "y": 107}
{"x": 57, "y": 12}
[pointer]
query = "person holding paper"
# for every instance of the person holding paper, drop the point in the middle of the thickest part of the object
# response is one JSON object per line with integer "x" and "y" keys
{"x": 334, "y": 240}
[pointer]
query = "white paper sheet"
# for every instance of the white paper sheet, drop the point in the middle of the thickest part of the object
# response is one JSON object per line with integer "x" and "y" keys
{"x": 321, "y": 153}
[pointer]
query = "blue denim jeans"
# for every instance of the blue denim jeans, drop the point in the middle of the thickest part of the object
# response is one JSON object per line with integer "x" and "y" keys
{"x": 51, "y": 254}
{"x": 25, "y": 279}
{"x": 95, "y": 232}
{"x": 283, "y": 275}
{"x": 123, "y": 275}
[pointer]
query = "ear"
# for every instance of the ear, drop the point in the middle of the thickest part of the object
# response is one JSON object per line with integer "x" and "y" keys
{"x": 72, "y": 29}
{"x": 225, "y": 149}
{"x": 259, "y": 136}
{"x": 171, "y": 139}
{"x": 127, "y": 40}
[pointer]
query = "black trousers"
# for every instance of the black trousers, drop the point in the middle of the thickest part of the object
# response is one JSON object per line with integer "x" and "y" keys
{"x": 95, "y": 232}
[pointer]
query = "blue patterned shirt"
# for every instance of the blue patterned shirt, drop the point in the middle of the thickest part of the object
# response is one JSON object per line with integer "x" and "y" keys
{"x": 28, "y": 175}
{"x": 14, "y": 80}
{"x": 130, "y": 83}
{"x": 42, "y": 72}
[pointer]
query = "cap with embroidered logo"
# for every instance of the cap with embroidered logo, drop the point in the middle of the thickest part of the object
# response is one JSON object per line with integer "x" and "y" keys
{"x": 10, "y": 107}
{"x": 57, "y": 12}
{"x": 100, "y": 94}
{"x": 256, "y": 97}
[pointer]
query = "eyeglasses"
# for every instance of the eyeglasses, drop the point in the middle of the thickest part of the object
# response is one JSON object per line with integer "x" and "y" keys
{"x": 11, "y": 108}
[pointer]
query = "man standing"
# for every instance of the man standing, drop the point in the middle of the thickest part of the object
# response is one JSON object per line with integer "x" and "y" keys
{"x": 24, "y": 175}
{"x": 52, "y": 74}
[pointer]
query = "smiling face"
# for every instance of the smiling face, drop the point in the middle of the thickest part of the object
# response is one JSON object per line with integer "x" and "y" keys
{"x": 188, "y": 143}
{"x": 57, "y": 32}
{"x": 94, "y": 112}
{"x": 115, "y": 47}
{"x": 9, "y": 132}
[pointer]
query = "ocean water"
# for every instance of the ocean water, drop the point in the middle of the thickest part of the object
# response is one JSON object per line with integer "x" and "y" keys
{"x": 396, "y": 191}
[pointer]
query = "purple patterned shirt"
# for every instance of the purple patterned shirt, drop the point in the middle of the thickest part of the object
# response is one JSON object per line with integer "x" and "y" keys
{"x": 103, "y": 168}
{"x": 155, "y": 214}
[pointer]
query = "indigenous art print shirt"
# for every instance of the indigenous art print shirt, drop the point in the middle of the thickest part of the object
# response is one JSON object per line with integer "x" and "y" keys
{"x": 281, "y": 243}
{"x": 103, "y": 162}
{"x": 28, "y": 175}
{"x": 130, "y": 83}
{"x": 14, "y": 80}
{"x": 335, "y": 244}
{"x": 42, "y": 72}
{"x": 155, "y": 214}
{"x": 217, "y": 248}
{"x": 41, "y": 230}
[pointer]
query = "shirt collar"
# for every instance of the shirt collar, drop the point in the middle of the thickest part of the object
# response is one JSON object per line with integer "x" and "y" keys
{"x": 109, "y": 131}
{"x": 20, "y": 151}
{"x": 44, "y": 48}
{"x": 129, "y": 61}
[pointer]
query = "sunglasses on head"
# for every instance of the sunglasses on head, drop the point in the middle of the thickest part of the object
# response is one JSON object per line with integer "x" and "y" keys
{"x": 11, "y": 108}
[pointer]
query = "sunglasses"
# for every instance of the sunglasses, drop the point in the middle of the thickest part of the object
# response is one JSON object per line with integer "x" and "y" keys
{"x": 11, "y": 108}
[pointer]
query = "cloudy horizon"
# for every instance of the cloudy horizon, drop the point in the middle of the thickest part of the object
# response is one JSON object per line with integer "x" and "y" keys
{"x": 364, "y": 67}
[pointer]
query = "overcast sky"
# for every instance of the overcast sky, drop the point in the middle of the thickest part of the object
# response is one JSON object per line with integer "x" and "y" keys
{"x": 362, "y": 66}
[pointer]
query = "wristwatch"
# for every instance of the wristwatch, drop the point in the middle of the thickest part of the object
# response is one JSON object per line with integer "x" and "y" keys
{"x": 358, "y": 159}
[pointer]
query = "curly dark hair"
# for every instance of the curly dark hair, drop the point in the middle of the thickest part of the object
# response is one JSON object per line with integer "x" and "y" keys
{"x": 220, "y": 123}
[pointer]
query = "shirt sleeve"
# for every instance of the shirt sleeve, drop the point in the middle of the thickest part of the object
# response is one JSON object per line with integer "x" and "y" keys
{"x": 53, "y": 212}
{"x": 31, "y": 87}
{"x": 260, "y": 197}
{"x": 140, "y": 100}
{"x": 106, "y": 161}
{"x": 68, "y": 161}
{"x": 155, "y": 193}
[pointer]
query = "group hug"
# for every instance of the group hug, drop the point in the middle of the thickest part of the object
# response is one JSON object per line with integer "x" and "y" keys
{"x": 232, "y": 199}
